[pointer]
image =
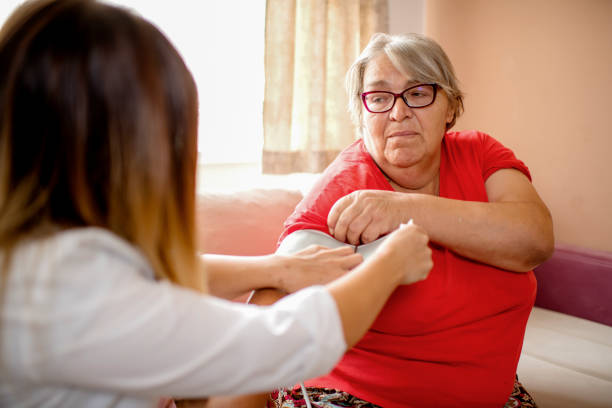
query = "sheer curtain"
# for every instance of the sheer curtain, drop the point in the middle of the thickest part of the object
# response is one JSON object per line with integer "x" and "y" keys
{"x": 310, "y": 44}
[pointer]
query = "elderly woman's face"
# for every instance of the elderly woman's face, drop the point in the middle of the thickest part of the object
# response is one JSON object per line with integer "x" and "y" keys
{"x": 402, "y": 137}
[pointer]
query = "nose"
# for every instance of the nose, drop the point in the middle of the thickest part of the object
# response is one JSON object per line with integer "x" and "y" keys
{"x": 400, "y": 110}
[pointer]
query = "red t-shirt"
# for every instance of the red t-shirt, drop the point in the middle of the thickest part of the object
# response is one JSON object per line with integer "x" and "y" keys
{"x": 454, "y": 339}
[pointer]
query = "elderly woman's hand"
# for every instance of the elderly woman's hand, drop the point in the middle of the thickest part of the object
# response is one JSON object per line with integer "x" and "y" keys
{"x": 364, "y": 215}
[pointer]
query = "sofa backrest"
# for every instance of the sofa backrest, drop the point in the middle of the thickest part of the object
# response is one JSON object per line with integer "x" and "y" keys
{"x": 245, "y": 222}
{"x": 577, "y": 282}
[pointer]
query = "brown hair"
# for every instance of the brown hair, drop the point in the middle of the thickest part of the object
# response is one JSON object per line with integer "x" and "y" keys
{"x": 412, "y": 54}
{"x": 98, "y": 125}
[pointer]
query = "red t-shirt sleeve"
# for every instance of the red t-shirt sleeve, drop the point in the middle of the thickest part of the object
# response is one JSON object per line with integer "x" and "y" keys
{"x": 310, "y": 213}
{"x": 352, "y": 170}
{"x": 496, "y": 156}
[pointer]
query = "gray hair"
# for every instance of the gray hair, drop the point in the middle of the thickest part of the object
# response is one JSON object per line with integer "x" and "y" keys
{"x": 413, "y": 55}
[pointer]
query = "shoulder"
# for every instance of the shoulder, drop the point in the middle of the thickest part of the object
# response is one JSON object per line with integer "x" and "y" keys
{"x": 468, "y": 138}
{"x": 481, "y": 149}
{"x": 60, "y": 286}
{"x": 353, "y": 169}
{"x": 350, "y": 160}
{"x": 86, "y": 249}
{"x": 474, "y": 144}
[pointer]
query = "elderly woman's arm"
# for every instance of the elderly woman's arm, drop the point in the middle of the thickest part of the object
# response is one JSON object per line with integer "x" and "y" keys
{"x": 512, "y": 231}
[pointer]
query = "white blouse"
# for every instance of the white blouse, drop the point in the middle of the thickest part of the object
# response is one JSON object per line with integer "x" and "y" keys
{"x": 84, "y": 324}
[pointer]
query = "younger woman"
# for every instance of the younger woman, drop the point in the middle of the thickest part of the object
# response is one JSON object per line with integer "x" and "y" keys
{"x": 98, "y": 123}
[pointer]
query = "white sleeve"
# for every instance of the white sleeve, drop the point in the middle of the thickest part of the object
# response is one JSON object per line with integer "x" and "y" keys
{"x": 94, "y": 321}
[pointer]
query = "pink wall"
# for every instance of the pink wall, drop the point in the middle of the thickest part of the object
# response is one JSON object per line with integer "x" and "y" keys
{"x": 538, "y": 77}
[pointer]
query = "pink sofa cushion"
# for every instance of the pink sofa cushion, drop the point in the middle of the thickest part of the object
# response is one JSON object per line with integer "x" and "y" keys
{"x": 245, "y": 222}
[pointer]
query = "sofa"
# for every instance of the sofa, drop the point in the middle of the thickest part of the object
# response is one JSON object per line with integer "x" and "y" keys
{"x": 566, "y": 359}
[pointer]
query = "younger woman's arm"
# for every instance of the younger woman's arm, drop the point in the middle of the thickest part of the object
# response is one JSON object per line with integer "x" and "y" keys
{"x": 232, "y": 276}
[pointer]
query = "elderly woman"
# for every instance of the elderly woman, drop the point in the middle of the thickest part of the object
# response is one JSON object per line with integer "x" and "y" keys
{"x": 453, "y": 340}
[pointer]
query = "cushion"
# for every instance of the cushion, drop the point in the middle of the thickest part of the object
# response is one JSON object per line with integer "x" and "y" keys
{"x": 566, "y": 361}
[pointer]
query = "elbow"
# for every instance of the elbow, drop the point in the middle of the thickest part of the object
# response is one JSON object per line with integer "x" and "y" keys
{"x": 546, "y": 241}
{"x": 541, "y": 247}
{"x": 539, "y": 254}
{"x": 531, "y": 258}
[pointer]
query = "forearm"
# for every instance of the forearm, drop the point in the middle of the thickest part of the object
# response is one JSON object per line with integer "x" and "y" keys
{"x": 232, "y": 276}
{"x": 516, "y": 236}
{"x": 361, "y": 295}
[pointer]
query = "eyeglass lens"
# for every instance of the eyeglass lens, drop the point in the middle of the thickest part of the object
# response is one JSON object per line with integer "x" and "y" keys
{"x": 416, "y": 97}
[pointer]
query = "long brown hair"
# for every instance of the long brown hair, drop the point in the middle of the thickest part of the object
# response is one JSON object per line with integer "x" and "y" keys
{"x": 98, "y": 125}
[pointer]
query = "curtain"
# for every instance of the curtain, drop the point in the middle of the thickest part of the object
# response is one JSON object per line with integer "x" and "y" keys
{"x": 310, "y": 45}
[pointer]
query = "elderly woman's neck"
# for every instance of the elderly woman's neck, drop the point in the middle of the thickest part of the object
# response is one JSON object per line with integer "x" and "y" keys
{"x": 422, "y": 178}
{"x": 432, "y": 187}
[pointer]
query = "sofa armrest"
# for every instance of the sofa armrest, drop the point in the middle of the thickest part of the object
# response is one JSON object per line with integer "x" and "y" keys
{"x": 577, "y": 282}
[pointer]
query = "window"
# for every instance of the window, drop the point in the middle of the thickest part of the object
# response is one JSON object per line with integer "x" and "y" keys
{"x": 222, "y": 43}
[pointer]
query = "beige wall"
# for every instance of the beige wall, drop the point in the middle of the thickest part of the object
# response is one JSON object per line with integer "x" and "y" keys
{"x": 538, "y": 77}
{"x": 406, "y": 16}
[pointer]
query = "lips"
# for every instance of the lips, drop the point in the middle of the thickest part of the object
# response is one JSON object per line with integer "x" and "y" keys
{"x": 403, "y": 133}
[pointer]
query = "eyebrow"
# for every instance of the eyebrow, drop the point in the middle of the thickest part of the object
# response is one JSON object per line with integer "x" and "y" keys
{"x": 382, "y": 82}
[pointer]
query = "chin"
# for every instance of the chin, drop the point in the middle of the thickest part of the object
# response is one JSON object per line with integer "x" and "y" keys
{"x": 402, "y": 163}
{"x": 402, "y": 160}
{"x": 407, "y": 152}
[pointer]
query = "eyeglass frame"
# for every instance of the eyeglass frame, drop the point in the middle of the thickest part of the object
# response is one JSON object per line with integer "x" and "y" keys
{"x": 400, "y": 95}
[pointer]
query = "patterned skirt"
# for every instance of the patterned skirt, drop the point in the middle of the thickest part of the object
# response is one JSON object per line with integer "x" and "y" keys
{"x": 330, "y": 398}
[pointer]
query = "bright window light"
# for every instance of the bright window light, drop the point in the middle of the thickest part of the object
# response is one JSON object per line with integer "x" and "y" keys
{"x": 222, "y": 43}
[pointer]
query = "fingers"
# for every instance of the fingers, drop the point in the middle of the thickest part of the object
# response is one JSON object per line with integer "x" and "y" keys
{"x": 324, "y": 251}
{"x": 354, "y": 226}
{"x": 343, "y": 250}
{"x": 363, "y": 216}
{"x": 351, "y": 261}
{"x": 365, "y": 226}
{"x": 420, "y": 254}
{"x": 312, "y": 249}
{"x": 309, "y": 250}
{"x": 373, "y": 231}
{"x": 343, "y": 257}
{"x": 335, "y": 212}
{"x": 317, "y": 265}
{"x": 347, "y": 219}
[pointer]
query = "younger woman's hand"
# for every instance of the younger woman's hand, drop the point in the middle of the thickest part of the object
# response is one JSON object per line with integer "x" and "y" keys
{"x": 315, "y": 265}
{"x": 407, "y": 251}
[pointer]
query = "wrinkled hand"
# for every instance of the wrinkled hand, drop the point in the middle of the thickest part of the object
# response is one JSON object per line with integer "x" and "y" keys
{"x": 316, "y": 265}
{"x": 364, "y": 215}
{"x": 407, "y": 249}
